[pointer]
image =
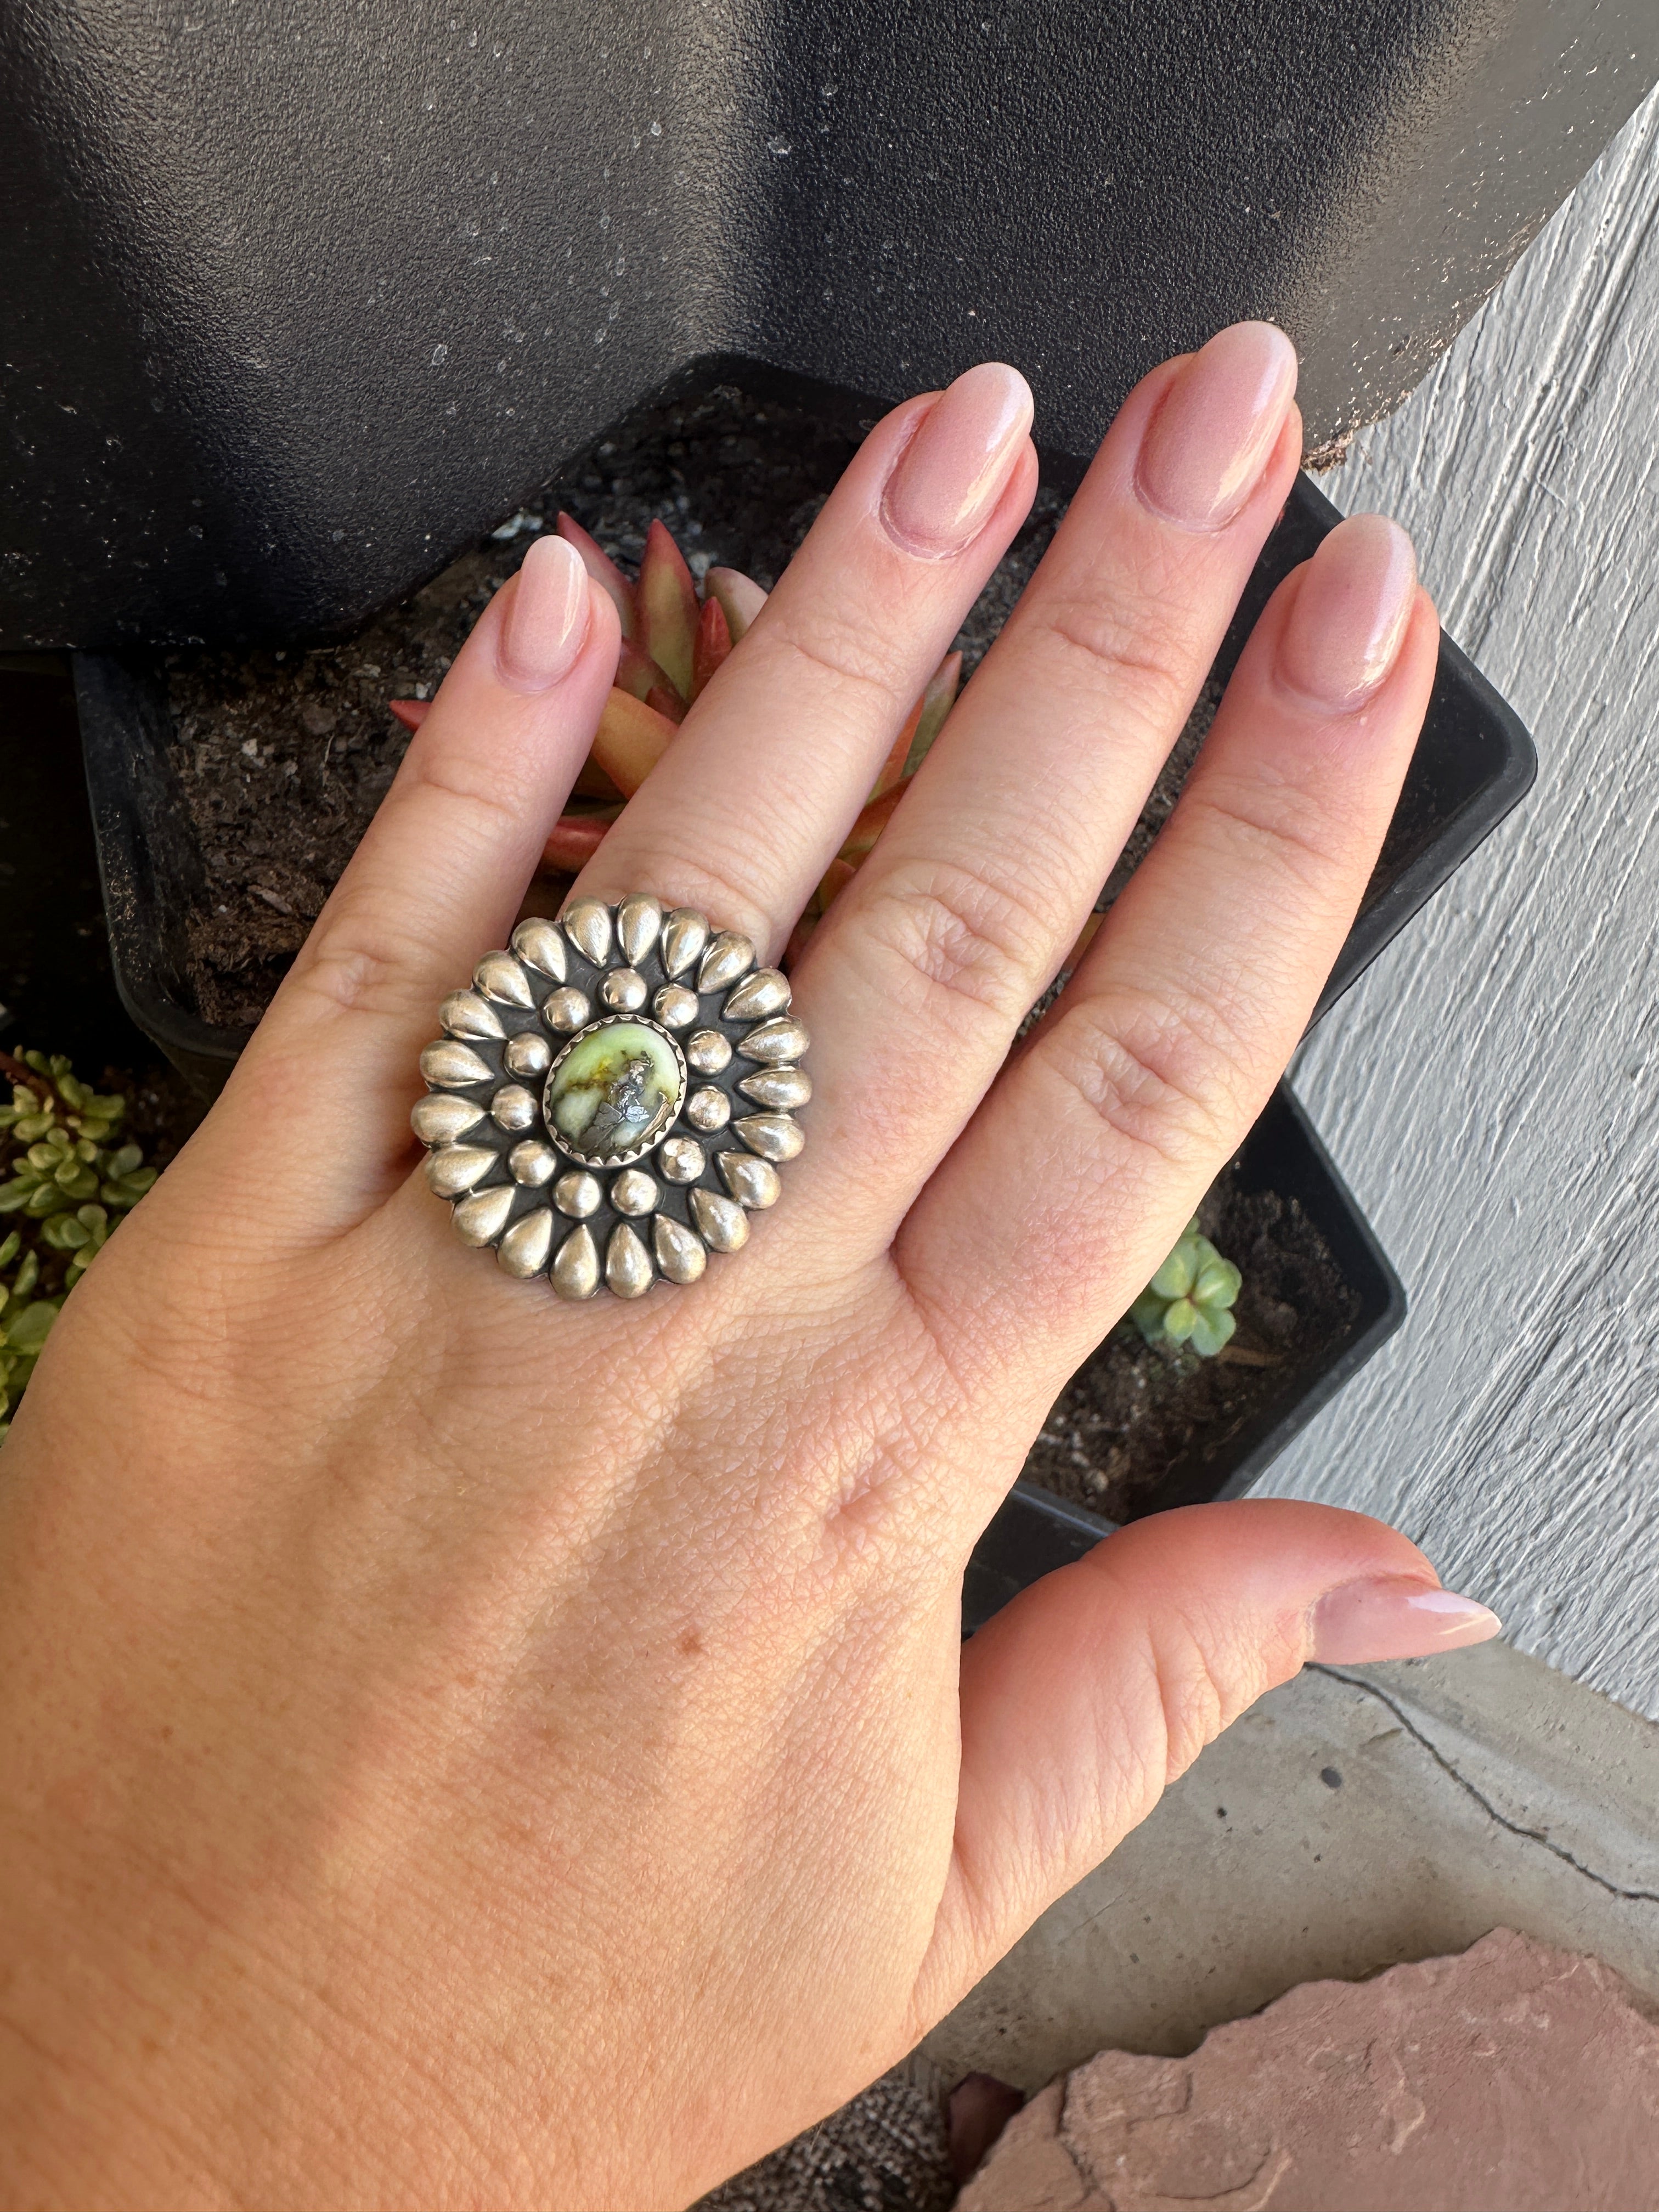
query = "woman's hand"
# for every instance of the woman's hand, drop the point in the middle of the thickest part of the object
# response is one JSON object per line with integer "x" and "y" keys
{"x": 464, "y": 1749}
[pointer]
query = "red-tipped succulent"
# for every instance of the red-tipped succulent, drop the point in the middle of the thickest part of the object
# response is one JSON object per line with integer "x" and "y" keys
{"x": 672, "y": 645}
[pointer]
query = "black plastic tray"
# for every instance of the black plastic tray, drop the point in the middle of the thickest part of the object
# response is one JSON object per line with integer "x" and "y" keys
{"x": 1035, "y": 1531}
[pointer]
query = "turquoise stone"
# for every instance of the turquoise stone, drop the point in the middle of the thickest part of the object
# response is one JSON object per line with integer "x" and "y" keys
{"x": 614, "y": 1092}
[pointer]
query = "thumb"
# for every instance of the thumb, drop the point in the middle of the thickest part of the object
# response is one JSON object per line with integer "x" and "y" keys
{"x": 1090, "y": 1693}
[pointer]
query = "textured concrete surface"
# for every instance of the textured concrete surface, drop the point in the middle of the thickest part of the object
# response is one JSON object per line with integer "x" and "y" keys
{"x": 1491, "y": 1089}
{"x": 1515, "y": 2078}
{"x": 1352, "y": 1820}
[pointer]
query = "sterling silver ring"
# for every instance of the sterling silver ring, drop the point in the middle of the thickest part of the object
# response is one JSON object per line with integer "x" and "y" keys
{"x": 613, "y": 1098}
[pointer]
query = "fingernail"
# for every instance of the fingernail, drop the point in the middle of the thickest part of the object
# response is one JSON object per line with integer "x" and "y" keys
{"x": 1394, "y": 1617}
{"x": 1206, "y": 447}
{"x": 1351, "y": 613}
{"x": 547, "y": 617}
{"x": 957, "y": 467}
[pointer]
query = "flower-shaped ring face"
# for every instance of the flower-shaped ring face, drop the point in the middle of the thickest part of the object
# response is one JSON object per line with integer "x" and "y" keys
{"x": 613, "y": 1098}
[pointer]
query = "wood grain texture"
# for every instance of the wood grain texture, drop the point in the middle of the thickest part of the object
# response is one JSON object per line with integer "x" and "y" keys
{"x": 1490, "y": 1089}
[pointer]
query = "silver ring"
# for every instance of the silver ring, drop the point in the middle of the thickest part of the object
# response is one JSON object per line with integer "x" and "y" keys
{"x": 613, "y": 1098}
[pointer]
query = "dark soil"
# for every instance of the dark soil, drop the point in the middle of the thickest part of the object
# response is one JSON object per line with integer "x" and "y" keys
{"x": 1134, "y": 1417}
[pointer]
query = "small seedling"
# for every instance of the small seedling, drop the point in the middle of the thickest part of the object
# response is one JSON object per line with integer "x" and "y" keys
{"x": 1190, "y": 1299}
{"x": 672, "y": 643}
{"x": 65, "y": 1178}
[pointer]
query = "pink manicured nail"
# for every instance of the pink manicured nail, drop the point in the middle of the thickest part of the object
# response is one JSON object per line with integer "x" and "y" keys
{"x": 1394, "y": 1617}
{"x": 547, "y": 617}
{"x": 957, "y": 467}
{"x": 1351, "y": 613}
{"x": 1217, "y": 426}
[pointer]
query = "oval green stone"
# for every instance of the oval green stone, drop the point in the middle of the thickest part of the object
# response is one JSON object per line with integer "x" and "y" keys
{"x": 614, "y": 1092}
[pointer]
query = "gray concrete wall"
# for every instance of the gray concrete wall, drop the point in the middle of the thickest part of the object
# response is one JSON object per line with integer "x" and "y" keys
{"x": 1490, "y": 1089}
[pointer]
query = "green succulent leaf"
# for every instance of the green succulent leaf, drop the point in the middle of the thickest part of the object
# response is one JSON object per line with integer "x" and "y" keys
{"x": 32, "y": 1326}
{"x": 1218, "y": 1284}
{"x": 11, "y": 1249}
{"x": 1174, "y": 1278}
{"x": 1211, "y": 1330}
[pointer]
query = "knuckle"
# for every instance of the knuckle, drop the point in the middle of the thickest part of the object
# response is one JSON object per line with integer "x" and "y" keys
{"x": 1138, "y": 656}
{"x": 354, "y": 966}
{"x": 849, "y": 655}
{"x": 1163, "y": 1073}
{"x": 1302, "y": 834}
{"x": 955, "y": 933}
{"x": 680, "y": 877}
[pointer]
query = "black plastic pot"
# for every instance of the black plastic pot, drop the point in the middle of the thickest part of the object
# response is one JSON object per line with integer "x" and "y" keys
{"x": 296, "y": 299}
{"x": 1474, "y": 762}
{"x": 1035, "y": 1532}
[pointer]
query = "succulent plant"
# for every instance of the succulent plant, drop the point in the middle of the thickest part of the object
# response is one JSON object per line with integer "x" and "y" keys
{"x": 672, "y": 643}
{"x": 1190, "y": 1299}
{"x": 65, "y": 1178}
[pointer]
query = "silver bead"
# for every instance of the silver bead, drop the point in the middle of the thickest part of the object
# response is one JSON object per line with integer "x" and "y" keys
{"x": 623, "y": 990}
{"x": 523, "y": 1251}
{"x": 440, "y": 1118}
{"x": 773, "y": 1136}
{"x": 727, "y": 956}
{"x": 539, "y": 945}
{"x": 675, "y": 1007}
{"x": 681, "y": 1254}
{"x": 707, "y": 1052}
{"x": 575, "y": 1270}
{"x": 682, "y": 1159}
{"x": 752, "y": 1182}
{"x": 724, "y": 1225}
{"x": 515, "y": 1107}
{"x": 533, "y": 1163}
{"x": 780, "y": 1089}
{"x": 566, "y": 1010}
{"x": 783, "y": 1038}
{"x": 578, "y": 1193}
{"x": 457, "y": 1167}
{"x": 527, "y": 1054}
{"x": 481, "y": 1218}
{"x": 499, "y": 976}
{"x": 639, "y": 919}
{"x": 765, "y": 991}
{"x": 634, "y": 1192}
{"x": 587, "y": 923}
{"x": 464, "y": 1014}
{"x": 451, "y": 1067}
{"x": 628, "y": 1267}
{"x": 708, "y": 1109}
{"x": 683, "y": 936}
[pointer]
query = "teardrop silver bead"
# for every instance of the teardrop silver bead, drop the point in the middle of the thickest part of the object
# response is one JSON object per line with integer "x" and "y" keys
{"x": 578, "y": 1193}
{"x": 523, "y": 1251}
{"x": 456, "y": 1168}
{"x": 533, "y": 1163}
{"x": 728, "y": 956}
{"x": 464, "y": 1014}
{"x": 481, "y": 1218}
{"x": 628, "y": 1267}
{"x": 514, "y": 1108}
{"x": 575, "y": 1269}
{"x": 683, "y": 936}
{"x": 566, "y": 1010}
{"x": 781, "y": 1089}
{"x": 751, "y": 1182}
{"x": 675, "y": 1007}
{"x": 587, "y": 923}
{"x": 681, "y": 1256}
{"x": 440, "y": 1117}
{"x": 682, "y": 1159}
{"x": 765, "y": 991}
{"x": 773, "y": 1136}
{"x": 527, "y": 1054}
{"x": 539, "y": 945}
{"x": 499, "y": 976}
{"x": 634, "y": 1192}
{"x": 725, "y": 1225}
{"x": 783, "y": 1038}
{"x": 707, "y": 1052}
{"x": 451, "y": 1066}
{"x": 707, "y": 1108}
{"x": 639, "y": 921}
{"x": 623, "y": 990}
